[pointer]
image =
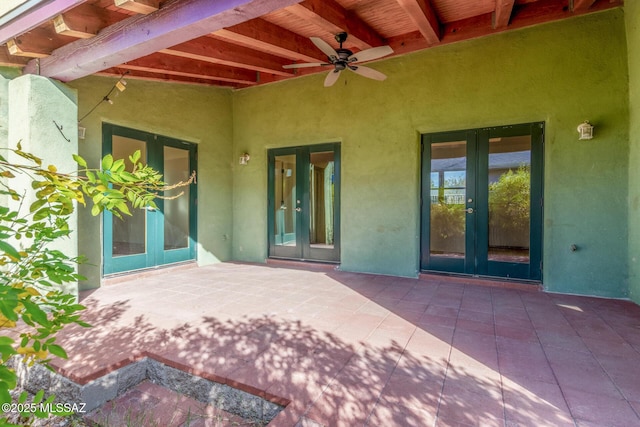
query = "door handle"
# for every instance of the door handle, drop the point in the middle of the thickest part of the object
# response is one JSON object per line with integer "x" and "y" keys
{"x": 298, "y": 209}
{"x": 469, "y": 210}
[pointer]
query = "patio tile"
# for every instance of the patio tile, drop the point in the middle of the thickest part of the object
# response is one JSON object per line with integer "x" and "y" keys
{"x": 601, "y": 410}
{"x": 396, "y": 415}
{"x": 475, "y": 326}
{"x": 476, "y": 316}
{"x": 534, "y": 403}
{"x": 470, "y": 402}
{"x": 416, "y": 391}
{"x": 517, "y": 333}
{"x": 352, "y": 349}
{"x": 428, "y": 319}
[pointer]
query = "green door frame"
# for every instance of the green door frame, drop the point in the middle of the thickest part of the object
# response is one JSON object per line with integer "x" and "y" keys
{"x": 303, "y": 250}
{"x": 155, "y": 255}
{"x": 476, "y": 262}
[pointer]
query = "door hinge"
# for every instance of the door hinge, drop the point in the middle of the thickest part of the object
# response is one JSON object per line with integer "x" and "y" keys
{"x": 542, "y": 202}
{"x": 540, "y": 265}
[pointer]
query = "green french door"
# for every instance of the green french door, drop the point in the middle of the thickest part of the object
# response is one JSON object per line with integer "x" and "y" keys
{"x": 151, "y": 237}
{"x": 482, "y": 201}
{"x": 304, "y": 202}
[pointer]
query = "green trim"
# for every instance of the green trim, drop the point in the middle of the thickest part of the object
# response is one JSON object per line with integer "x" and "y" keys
{"x": 156, "y": 254}
{"x": 475, "y": 261}
{"x": 302, "y": 249}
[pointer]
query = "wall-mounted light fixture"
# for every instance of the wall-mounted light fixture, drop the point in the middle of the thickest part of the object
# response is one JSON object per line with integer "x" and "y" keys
{"x": 244, "y": 159}
{"x": 585, "y": 130}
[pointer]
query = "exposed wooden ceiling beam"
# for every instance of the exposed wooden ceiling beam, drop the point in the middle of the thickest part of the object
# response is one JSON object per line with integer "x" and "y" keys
{"x": 138, "y": 6}
{"x": 578, "y": 5}
{"x": 331, "y": 17}
{"x": 270, "y": 38}
{"x": 142, "y": 35}
{"x": 165, "y": 64}
{"x": 220, "y": 52}
{"x": 83, "y": 21}
{"x": 15, "y": 49}
{"x": 502, "y": 15}
{"x": 524, "y": 15}
{"x": 37, "y": 43}
{"x": 422, "y": 14}
{"x": 35, "y": 17}
{"x": 7, "y": 60}
{"x": 165, "y": 78}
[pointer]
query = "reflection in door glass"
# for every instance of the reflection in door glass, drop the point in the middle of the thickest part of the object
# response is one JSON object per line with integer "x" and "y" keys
{"x": 130, "y": 232}
{"x": 448, "y": 193}
{"x": 321, "y": 199}
{"x": 176, "y": 211}
{"x": 286, "y": 202}
{"x": 509, "y": 198}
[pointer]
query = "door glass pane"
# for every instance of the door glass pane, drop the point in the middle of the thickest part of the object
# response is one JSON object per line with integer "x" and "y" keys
{"x": 321, "y": 199}
{"x": 509, "y": 198}
{"x": 285, "y": 200}
{"x": 176, "y": 211}
{"x": 448, "y": 194}
{"x": 130, "y": 232}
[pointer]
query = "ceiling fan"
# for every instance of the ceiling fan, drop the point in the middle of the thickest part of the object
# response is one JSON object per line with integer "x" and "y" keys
{"x": 342, "y": 58}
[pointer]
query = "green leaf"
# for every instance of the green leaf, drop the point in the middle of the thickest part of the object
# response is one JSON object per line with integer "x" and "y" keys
{"x": 135, "y": 157}
{"x": 37, "y": 205}
{"x": 38, "y": 397}
{"x": 8, "y": 340}
{"x": 7, "y": 376}
{"x": 7, "y": 351}
{"x": 122, "y": 206}
{"x": 95, "y": 210}
{"x": 36, "y": 312}
{"x": 80, "y": 161}
{"x": 6, "y": 308}
{"x": 8, "y": 249}
{"x": 5, "y": 397}
{"x": 107, "y": 162}
{"x": 57, "y": 351}
{"x": 42, "y": 214}
{"x": 118, "y": 166}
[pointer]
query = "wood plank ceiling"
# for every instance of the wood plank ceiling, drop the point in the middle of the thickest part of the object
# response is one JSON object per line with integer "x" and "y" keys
{"x": 246, "y": 43}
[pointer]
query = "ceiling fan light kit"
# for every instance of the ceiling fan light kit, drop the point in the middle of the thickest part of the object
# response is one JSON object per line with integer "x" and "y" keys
{"x": 343, "y": 59}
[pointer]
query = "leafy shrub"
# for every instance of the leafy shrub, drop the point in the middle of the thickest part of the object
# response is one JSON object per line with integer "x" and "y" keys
{"x": 32, "y": 273}
{"x": 509, "y": 203}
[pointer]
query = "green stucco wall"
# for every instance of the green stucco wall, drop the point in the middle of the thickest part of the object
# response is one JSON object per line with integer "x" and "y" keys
{"x": 42, "y": 116}
{"x": 632, "y": 12}
{"x": 561, "y": 73}
{"x": 6, "y": 74}
{"x": 197, "y": 114}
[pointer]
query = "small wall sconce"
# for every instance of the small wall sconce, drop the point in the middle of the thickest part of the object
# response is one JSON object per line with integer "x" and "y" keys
{"x": 585, "y": 130}
{"x": 244, "y": 159}
{"x": 81, "y": 132}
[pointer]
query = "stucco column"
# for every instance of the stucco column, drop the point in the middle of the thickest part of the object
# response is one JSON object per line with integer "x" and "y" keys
{"x": 4, "y": 122}
{"x": 43, "y": 117}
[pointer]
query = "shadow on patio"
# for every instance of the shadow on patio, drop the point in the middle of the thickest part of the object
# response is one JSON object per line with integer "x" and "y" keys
{"x": 353, "y": 349}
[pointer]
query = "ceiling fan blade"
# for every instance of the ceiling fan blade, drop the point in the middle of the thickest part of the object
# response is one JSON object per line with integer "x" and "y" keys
{"x": 306, "y": 65}
{"x": 324, "y": 47}
{"x": 367, "y": 72}
{"x": 371, "y": 54}
{"x": 331, "y": 78}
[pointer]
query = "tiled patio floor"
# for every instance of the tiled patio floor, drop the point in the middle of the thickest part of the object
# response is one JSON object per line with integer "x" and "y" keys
{"x": 354, "y": 349}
